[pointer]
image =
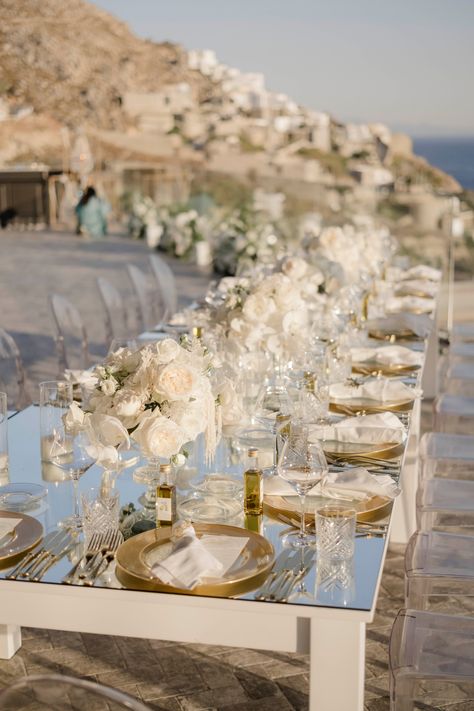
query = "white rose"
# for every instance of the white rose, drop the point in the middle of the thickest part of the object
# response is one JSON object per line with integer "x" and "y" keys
{"x": 127, "y": 404}
{"x": 168, "y": 350}
{"x": 176, "y": 382}
{"x": 105, "y": 456}
{"x": 157, "y": 436}
{"x": 294, "y": 267}
{"x": 190, "y": 417}
{"x": 109, "y": 386}
{"x": 258, "y": 307}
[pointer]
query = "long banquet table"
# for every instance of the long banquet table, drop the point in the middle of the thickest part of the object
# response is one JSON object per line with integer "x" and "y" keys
{"x": 330, "y": 628}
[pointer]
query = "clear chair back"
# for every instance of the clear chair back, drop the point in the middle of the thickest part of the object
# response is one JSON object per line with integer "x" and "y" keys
{"x": 12, "y": 374}
{"x": 116, "y": 320}
{"x": 71, "y": 340}
{"x": 150, "y": 310}
{"x": 166, "y": 282}
{"x": 56, "y": 692}
{"x": 430, "y": 657}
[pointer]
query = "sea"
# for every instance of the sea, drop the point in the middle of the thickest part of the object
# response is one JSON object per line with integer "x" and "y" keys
{"x": 453, "y": 155}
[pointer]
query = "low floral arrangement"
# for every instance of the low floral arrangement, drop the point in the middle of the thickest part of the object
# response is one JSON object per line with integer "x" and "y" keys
{"x": 245, "y": 238}
{"x": 159, "y": 395}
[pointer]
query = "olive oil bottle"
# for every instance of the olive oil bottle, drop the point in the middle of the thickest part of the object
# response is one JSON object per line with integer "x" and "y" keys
{"x": 253, "y": 484}
{"x": 165, "y": 498}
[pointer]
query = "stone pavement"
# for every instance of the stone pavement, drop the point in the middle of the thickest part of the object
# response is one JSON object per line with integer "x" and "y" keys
{"x": 165, "y": 675}
{"x": 36, "y": 264}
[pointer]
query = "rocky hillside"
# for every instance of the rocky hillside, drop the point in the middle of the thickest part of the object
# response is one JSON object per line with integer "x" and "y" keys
{"x": 73, "y": 61}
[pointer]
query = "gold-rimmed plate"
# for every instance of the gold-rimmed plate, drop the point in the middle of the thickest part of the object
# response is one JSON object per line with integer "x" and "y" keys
{"x": 377, "y": 450}
{"x": 403, "y": 334}
{"x": 26, "y": 535}
{"x": 369, "y": 407}
{"x": 250, "y": 570}
{"x": 372, "y": 367}
{"x": 373, "y": 508}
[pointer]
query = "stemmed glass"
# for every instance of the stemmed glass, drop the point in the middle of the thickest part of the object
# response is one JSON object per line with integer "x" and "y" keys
{"x": 69, "y": 453}
{"x": 303, "y": 465}
{"x": 272, "y": 410}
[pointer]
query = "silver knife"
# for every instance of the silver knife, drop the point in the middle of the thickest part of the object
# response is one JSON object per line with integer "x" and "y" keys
{"x": 57, "y": 552}
{"x": 32, "y": 555}
{"x": 280, "y": 567}
{"x": 45, "y": 553}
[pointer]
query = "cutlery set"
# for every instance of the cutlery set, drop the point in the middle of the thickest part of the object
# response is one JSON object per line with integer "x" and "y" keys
{"x": 55, "y": 545}
{"x": 99, "y": 553}
{"x": 364, "y": 529}
{"x": 290, "y": 568}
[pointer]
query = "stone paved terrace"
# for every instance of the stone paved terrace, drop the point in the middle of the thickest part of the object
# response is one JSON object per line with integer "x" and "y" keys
{"x": 167, "y": 676}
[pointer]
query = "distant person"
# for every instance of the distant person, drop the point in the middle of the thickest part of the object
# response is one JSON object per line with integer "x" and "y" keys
{"x": 7, "y": 216}
{"x": 91, "y": 214}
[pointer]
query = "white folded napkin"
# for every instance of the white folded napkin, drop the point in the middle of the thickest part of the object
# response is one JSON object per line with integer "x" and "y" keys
{"x": 419, "y": 324}
{"x": 358, "y": 484}
{"x": 416, "y": 287}
{"x": 423, "y": 271}
{"x": 354, "y": 484}
{"x": 380, "y": 390}
{"x": 417, "y": 304}
{"x": 193, "y": 559}
{"x": 365, "y": 429}
{"x": 8, "y": 525}
{"x": 387, "y": 355}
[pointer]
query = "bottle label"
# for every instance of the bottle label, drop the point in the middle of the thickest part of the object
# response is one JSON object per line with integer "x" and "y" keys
{"x": 164, "y": 511}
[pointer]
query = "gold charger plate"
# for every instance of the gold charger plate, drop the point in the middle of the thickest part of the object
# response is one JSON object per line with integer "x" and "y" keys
{"x": 403, "y": 334}
{"x": 369, "y": 407}
{"x": 248, "y": 573}
{"x": 368, "y": 367}
{"x": 372, "y": 509}
{"x": 378, "y": 450}
{"x": 26, "y": 536}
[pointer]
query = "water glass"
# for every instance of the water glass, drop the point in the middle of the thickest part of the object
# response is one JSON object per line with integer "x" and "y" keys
{"x": 3, "y": 436}
{"x": 335, "y": 532}
{"x": 339, "y": 364}
{"x": 100, "y": 511}
{"x": 55, "y": 398}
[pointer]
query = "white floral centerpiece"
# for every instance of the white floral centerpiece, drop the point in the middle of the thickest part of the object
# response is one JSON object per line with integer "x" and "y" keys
{"x": 159, "y": 395}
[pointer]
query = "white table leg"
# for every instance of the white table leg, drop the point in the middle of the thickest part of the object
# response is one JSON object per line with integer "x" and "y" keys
{"x": 10, "y": 640}
{"x": 337, "y": 665}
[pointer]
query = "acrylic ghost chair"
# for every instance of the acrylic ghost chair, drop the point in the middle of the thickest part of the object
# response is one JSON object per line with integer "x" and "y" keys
{"x": 150, "y": 309}
{"x": 439, "y": 569}
{"x": 442, "y": 454}
{"x": 453, "y": 414}
{"x": 71, "y": 339}
{"x": 12, "y": 374}
{"x": 57, "y": 692}
{"x": 166, "y": 282}
{"x": 116, "y": 320}
{"x": 430, "y": 660}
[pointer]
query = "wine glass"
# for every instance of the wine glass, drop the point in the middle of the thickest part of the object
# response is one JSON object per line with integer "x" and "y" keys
{"x": 69, "y": 453}
{"x": 303, "y": 465}
{"x": 272, "y": 410}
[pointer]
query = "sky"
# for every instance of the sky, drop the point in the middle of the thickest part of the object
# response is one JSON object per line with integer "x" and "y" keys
{"x": 407, "y": 63}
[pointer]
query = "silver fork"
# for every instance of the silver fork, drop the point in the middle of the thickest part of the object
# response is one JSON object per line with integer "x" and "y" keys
{"x": 297, "y": 574}
{"x": 106, "y": 555}
{"x": 278, "y": 569}
{"x": 29, "y": 562}
{"x": 92, "y": 549}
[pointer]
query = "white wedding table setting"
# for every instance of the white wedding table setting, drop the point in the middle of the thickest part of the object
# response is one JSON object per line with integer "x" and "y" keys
{"x": 235, "y": 477}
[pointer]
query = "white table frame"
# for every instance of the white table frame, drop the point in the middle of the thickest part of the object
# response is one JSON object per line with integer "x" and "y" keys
{"x": 334, "y": 638}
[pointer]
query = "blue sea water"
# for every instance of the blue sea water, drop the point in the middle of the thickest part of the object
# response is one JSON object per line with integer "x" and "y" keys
{"x": 453, "y": 155}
